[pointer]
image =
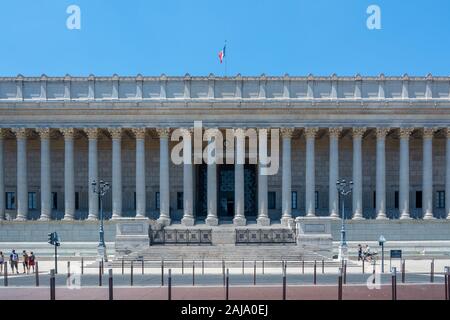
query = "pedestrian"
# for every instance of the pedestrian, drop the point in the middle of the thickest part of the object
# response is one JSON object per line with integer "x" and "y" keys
{"x": 360, "y": 252}
{"x": 14, "y": 259}
{"x": 25, "y": 261}
{"x": 2, "y": 261}
{"x": 31, "y": 261}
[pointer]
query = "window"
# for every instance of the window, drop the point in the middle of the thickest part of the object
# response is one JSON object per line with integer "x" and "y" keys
{"x": 440, "y": 199}
{"x": 419, "y": 199}
{"x": 316, "y": 199}
{"x": 10, "y": 200}
{"x": 294, "y": 200}
{"x": 54, "y": 200}
{"x": 157, "y": 200}
{"x": 180, "y": 200}
{"x": 374, "y": 199}
{"x": 396, "y": 200}
{"x": 32, "y": 200}
{"x": 272, "y": 200}
{"x": 77, "y": 200}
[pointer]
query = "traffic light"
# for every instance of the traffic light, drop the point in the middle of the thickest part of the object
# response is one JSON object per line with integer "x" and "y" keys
{"x": 51, "y": 238}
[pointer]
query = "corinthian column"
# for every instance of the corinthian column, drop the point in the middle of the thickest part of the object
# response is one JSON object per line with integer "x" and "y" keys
{"x": 263, "y": 215}
{"x": 334, "y": 172}
{"x": 286, "y": 195}
{"x": 188, "y": 186}
{"x": 92, "y": 134}
{"x": 69, "y": 174}
{"x": 46, "y": 188}
{"x": 22, "y": 180}
{"x": 447, "y": 175}
{"x": 427, "y": 177}
{"x": 239, "y": 190}
{"x": 381, "y": 173}
{"x": 140, "y": 172}
{"x": 2, "y": 176}
{"x": 211, "y": 218}
{"x": 164, "y": 191}
{"x": 357, "y": 173}
{"x": 116, "y": 135}
{"x": 405, "y": 133}
{"x": 310, "y": 186}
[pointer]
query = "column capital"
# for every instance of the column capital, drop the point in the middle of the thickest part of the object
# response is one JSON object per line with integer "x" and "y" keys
{"x": 21, "y": 133}
{"x": 44, "y": 133}
{"x": 405, "y": 133}
{"x": 163, "y": 132}
{"x": 358, "y": 132}
{"x": 287, "y": 132}
{"x": 92, "y": 133}
{"x": 116, "y": 133}
{"x": 139, "y": 133}
{"x": 311, "y": 133}
{"x": 382, "y": 132}
{"x": 335, "y": 132}
{"x": 68, "y": 133}
{"x": 428, "y": 133}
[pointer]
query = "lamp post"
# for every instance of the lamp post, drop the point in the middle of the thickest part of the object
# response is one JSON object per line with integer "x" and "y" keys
{"x": 100, "y": 189}
{"x": 381, "y": 242}
{"x": 344, "y": 188}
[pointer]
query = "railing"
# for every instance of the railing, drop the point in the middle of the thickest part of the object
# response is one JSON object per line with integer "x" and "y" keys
{"x": 187, "y": 237}
{"x": 262, "y": 236}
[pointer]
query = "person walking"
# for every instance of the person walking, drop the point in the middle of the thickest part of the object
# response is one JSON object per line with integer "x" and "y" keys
{"x": 25, "y": 262}
{"x": 14, "y": 259}
{"x": 31, "y": 261}
{"x": 2, "y": 261}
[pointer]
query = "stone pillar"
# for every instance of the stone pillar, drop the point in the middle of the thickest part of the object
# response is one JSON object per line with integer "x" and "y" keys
{"x": 92, "y": 134}
{"x": 286, "y": 194}
{"x": 357, "y": 173}
{"x": 22, "y": 180}
{"x": 188, "y": 181}
{"x": 310, "y": 183}
{"x": 447, "y": 175}
{"x": 263, "y": 215}
{"x": 334, "y": 172}
{"x": 69, "y": 174}
{"x": 2, "y": 176}
{"x": 46, "y": 187}
{"x": 211, "y": 218}
{"x": 140, "y": 172}
{"x": 427, "y": 177}
{"x": 164, "y": 190}
{"x": 381, "y": 173}
{"x": 405, "y": 133}
{"x": 116, "y": 183}
{"x": 239, "y": 189}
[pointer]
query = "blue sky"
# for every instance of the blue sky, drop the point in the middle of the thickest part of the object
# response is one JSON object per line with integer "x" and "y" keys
{"x": 175, "y": 37}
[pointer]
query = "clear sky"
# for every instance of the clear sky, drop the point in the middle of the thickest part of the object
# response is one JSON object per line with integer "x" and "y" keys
{"x": 175, "y": 37}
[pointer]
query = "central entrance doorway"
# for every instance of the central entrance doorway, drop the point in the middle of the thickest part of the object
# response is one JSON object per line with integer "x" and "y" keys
{"x": 225, "y": 191}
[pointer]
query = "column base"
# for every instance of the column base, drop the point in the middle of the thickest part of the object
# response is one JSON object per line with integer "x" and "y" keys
{"x": 334, "y": 215}
{"x": 115, "y": 216}
{"x": 212, "y": 221}
{"x": 428, "y": 216}
{"x": 68, "y": 218}
{"x": 382, "y": 216}
{"x": 188, "y": 221}
{"x": 263, "y": 221}
{"x": 20, "y": 218}
{"x": 287, "y": 221}
{"x": 358, "y": 216}
{"x": 405, "y": 216}
{"x": 165, "y": 221}
{"x": 239, "y": 221}
{"x": 311, "y": 215}
{"x": 92, "y": 217}
{"x": 44, "y": 218}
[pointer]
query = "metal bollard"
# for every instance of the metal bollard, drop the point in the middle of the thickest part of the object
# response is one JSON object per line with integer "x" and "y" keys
{"x": 303, "y": 266}
{"x": 68, "y": 269}
{"x": 162, "y": 273}
{"x": 340, "y": 284}
{"x": 169, "y": 285}
{"x": 182, "y": 266}
{"x": 5, "y": 275}
{"x": 37, "y": 273}
{"x": 123, "y": 266}
{"x": 142, "y": 265}
{"x": 52, "y": 285}
{"x": 110, "y": 285}
{"x": 284, "y": 284}
{"x": 394, "y": 283}
{"x": 82, "y": 265}
{"x": 323, "y": 266}
{"x": 373, "y": 272}
{"x": 203, "y": 266}
{"x": 403, "y": 272}
{"x": 223, "y": 273}
{"x": 447, "y": 283}
{"x": 345, "y": 272}
{"x": 254, "y": 273}
{"x": 193, "y": 273}
{"x": 263, "y": 266}
{"x": 131, "y": 273}
{"x": 363, "y": 271}
{"x": 227, "y": 285}
{"x": 242, "y": 266}
{"x": 432, "y": 271}
{"x": 102, "y": 267}
{"x": 100, "y": 274}
{"x": 315, "y": 272}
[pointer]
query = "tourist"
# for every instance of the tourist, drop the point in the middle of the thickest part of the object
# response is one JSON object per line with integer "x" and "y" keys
{"x": 360, "y": 253}
{"x": 14, "y": 259}
{"x": 31, "y": 261}
{"x": 25, "y": 261}
{"x": 2, "y": 261}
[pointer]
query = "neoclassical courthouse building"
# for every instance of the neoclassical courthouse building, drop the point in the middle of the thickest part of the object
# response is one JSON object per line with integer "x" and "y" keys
{"x": 389, "y": 135}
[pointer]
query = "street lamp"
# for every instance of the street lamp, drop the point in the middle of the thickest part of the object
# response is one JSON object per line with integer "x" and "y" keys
{"x": 381, "y": 242}
{"x": 100, "y": 190}
{"x": 344, "y": 188}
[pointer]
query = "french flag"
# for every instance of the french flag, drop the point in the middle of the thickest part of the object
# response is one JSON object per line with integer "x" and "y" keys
{"x": 222, "y": 53}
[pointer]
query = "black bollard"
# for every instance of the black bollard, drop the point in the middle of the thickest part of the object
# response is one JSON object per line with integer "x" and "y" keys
{"x": 37, "y": 273}
{"x": 263, "y": 266}
{"x": 447, "y": 283}
{"x": 403, "y": 271}
{"x": 162, "y": 273}
{"x": 340, "y": 284}
{"x": 315, "y": 272}
{"x": 169, "y": 285}
{"x": 193, "y": 273}
{"x": 100, "y": 274}
{"x": 5, "y": 275}
{"x": 131, "y": 273}
{"x": 142, "y": 265}
{"x": 345, "y": 272}
{"x": 203, "y": 266}
{"x": 323, "y": 266}
{"x": 432, "y": 271}
{"x": 363, "y": 271}
{"x": 110, "y": 285}
{"x": 223, "y": 272}
{"x": 68, "y": 269}
{"x": 284, "y": 284}
{"x": 303, "y": 266}
{"x": 82, "y": 265}
{"x": 182, "y": 266}
{"x": 243, "y": 266}
{"x": 52, "y": 285}
{"x": 254, "y": 273}
{"x": 394, "y": 283}
{"x": 103, "y": 267}
{"x": 227, "y": 285}
{"x": 123, "y": 266}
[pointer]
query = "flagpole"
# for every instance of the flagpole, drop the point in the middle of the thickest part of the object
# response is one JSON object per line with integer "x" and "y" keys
{"x": 226, "y": 59}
